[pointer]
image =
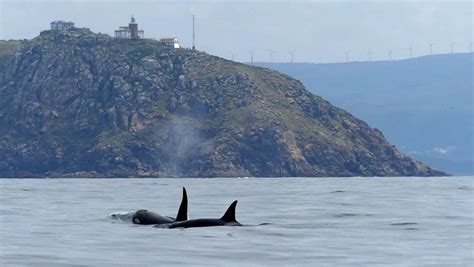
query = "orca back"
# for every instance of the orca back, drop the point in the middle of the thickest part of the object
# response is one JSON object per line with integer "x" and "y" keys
{"x": 197, "y": 223}
{"x": 147, "y": 217}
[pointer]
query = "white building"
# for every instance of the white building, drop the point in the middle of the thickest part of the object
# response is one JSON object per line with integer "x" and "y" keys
{"x": 170, "y": 41}
{"x": 61, "y": 25}
{"x": 122, "y": 32}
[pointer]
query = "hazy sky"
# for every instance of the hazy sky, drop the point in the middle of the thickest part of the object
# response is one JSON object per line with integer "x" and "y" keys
{"x": 316, "y": 30}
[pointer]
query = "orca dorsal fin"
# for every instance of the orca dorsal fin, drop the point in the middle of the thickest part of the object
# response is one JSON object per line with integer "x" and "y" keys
{"x": 183, "y": 208}
{"x": 229, "y": 215}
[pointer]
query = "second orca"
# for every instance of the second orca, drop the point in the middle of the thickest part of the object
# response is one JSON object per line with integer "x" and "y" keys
{"x": 228, "y": 219}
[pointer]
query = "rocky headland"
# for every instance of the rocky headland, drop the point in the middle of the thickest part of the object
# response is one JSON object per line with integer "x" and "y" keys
{"x": 80, "y": 104}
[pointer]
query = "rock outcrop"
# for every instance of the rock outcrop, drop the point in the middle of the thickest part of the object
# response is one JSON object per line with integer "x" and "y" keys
{"x": 80, "y": 104}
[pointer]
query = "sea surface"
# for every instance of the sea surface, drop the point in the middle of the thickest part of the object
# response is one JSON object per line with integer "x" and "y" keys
{"x": 306, "y": 221}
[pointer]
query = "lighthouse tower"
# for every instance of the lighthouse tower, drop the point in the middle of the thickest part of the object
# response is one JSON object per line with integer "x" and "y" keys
{"x": 133, "y": 27}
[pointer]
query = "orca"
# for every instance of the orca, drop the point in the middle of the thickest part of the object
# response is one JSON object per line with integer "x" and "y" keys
{"x": 228, "y": 219}
{"x": 146, "y": 217}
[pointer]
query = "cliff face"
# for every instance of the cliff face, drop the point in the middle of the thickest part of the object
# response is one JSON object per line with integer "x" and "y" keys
{"x": 79, "y": 104}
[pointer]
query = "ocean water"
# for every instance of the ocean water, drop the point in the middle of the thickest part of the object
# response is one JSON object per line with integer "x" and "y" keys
{"x": 307, "y": 221}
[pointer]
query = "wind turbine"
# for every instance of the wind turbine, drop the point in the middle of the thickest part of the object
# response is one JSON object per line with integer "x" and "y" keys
{"x": 271, "y": 55}
{"x": 292, "y": 54}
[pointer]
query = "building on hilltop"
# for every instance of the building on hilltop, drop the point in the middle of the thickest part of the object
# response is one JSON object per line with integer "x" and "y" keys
{"x": 122, "y": 32}
{"x": 170, "y": 41}
{"x": 130, "y": 32}
{"x": 61, "y": 25}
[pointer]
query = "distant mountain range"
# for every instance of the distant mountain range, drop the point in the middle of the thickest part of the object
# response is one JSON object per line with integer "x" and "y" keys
{"x": 422, "y": 105}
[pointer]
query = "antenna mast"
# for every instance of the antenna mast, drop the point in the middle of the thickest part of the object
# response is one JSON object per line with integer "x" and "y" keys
{"x": 194, "y": 38}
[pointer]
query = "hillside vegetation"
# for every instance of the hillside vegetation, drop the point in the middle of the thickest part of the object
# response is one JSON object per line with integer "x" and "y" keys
{"x": 80, "y": 104}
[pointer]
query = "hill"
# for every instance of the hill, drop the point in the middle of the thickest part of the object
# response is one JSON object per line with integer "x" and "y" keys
{"x": 423, "y": 105}
{"x": 80, "y": 104}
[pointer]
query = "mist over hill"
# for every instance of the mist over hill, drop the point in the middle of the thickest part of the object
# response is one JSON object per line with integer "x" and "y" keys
{"x": 423, "y": 105}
